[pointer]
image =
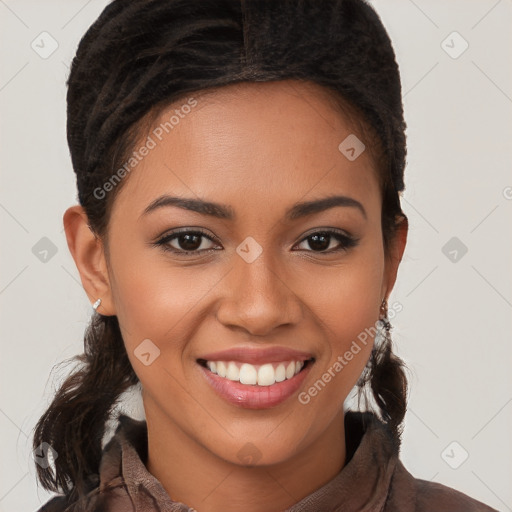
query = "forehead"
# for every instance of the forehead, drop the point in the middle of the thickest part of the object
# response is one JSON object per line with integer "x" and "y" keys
{"x": 252, "y": 143}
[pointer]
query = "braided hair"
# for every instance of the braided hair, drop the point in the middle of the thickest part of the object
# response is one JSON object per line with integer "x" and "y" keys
{"x": 141, "y": 55}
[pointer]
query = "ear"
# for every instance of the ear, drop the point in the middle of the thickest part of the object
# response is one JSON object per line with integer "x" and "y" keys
{"x": 88, "y": 252}
{"x": 393, "y": 259}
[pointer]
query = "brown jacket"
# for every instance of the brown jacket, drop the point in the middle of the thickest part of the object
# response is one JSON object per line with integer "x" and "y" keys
{"x": 372, "y": 480}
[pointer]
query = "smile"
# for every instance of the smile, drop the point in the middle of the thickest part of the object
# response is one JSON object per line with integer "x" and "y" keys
{"x": 255, "y": 386}
{"x": 260, "y": 375}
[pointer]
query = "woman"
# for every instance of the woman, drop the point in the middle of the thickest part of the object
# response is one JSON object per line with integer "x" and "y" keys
{"x": 239, "y": 169}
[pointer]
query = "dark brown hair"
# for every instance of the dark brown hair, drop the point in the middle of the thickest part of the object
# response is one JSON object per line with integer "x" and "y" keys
{"x": 142, "y": 55}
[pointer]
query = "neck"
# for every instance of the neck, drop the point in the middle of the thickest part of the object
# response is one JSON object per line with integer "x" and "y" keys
{"x": 193, "y": 475}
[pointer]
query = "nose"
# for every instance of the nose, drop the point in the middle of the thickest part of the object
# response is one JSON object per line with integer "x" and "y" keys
{"x": 258, "y": 297}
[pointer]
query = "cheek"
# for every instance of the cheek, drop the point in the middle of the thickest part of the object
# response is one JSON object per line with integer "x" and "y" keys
{"x": 151, "y": 302}
{"x": 348, "y": 319}
{"x": 348, "y": 304}
{"x": 157, "y": 302}
{"x": 348, "y": 298}
{"x": 153, "y": 309}
{"x": 150, "y": 296}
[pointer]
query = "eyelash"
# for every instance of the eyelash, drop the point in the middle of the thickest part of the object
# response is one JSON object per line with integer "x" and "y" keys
{"x": 346, "y": 241}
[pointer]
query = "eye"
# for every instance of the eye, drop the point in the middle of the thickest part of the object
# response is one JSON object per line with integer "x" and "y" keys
{"x": 320, "y": 241}
{"x": 186, "y": 242}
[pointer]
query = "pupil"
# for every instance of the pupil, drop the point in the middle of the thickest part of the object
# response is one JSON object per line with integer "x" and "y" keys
{"x": 186, "y": 244}
{"x": 316, "y": 245}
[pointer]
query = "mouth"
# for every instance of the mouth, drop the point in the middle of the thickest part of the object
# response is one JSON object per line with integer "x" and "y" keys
{"x": 255, "y": 386}
{"x": 249, "y": 374}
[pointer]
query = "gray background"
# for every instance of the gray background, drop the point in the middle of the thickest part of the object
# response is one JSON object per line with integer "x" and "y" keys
{"x": 454, "y": 330}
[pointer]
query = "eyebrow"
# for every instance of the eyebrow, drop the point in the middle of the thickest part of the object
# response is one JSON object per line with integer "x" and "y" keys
{"x": 222, "y": 211}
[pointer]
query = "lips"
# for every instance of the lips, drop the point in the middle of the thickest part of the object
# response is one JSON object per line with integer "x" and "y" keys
{"x": 256, "y": 378}
{"x": 257, "y": 355}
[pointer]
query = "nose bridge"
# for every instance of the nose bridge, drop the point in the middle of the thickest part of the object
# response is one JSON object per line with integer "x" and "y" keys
{"x": 258, "y": 298}
{"x": 260, "y": 277}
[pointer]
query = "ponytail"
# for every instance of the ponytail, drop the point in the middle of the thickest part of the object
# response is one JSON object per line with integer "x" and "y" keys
{"x": 388, "y": 382}
{"x": 74, "y": 423}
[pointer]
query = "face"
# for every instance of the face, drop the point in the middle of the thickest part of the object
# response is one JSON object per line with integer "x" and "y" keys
{"x": 272, "y": 293}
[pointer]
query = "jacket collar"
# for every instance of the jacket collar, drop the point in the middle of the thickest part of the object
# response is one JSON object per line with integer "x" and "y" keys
{"x": 362, "y": 484}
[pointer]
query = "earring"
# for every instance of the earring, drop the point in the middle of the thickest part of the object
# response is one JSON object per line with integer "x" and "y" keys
{"x": 96, "y": 304}
{"x": 383, "y": 325}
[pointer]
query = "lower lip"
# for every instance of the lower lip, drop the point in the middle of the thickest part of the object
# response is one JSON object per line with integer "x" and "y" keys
{"x": 255, "y": 397}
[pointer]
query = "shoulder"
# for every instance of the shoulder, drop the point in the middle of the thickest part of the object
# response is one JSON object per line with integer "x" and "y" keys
{"x": 109, "y": 488}
{"x": 114, "y": 497}
{"x": 414, "y": 494}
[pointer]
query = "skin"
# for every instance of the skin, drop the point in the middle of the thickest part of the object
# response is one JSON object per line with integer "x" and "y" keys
{"x": 259, "y": 148}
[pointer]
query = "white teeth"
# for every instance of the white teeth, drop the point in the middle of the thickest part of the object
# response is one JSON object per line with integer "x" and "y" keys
{"x": 221, "y": 368}
{"x": 232, "y": 373}
{"x": 264, "y": 375}
{"x": 248, "y": 374}
{"x": 290, "y": 370}
{"x": 280, "y": 373}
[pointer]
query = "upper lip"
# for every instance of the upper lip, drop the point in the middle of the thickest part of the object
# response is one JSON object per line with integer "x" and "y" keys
{"x": 254, "y": 355}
